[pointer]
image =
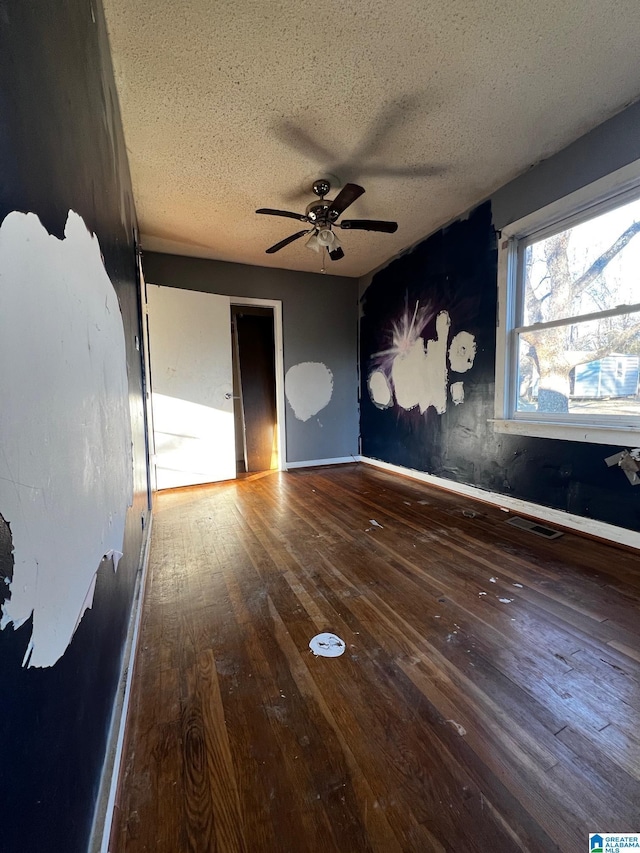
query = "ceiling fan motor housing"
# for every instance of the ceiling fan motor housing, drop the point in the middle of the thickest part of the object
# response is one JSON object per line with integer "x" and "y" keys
{"x": 321, "y": 187}
{"x": 317, "y": 212}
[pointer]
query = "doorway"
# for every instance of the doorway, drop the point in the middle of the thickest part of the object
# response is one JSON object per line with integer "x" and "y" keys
{"x": 246, "y": 305}
{"x": 254, "y": 388}
{"x": 194, "y": 383}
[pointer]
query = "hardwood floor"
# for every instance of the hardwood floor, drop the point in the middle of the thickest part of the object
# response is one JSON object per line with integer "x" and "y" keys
{"x": 488, "y": 698}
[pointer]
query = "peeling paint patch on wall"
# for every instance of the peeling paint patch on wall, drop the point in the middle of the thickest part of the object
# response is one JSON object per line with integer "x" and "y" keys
{"x": 428, "y": 324}
{"x": 6, "y": 559}
{"x": 457, "y": 392}
{"x": 380, "y": 390}
{"x": 66, "y": 400}
{"x": 309, "y": 388}
{"x": 462, "y": 352}
{"x": 417, "y": 369}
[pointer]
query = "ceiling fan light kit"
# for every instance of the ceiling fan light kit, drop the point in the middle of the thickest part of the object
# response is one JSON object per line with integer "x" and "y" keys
{"x": 323, "y": 215}
{"x": 312, "y": 243}
{"x": 326, "y": 237}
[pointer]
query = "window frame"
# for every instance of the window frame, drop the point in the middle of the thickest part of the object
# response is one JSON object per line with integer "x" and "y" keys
{"x": 605, "y": 194}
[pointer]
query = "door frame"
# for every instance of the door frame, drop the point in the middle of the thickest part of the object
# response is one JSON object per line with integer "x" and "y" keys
{"x": 150, "y": 449}
{"x": 276, "y": 304}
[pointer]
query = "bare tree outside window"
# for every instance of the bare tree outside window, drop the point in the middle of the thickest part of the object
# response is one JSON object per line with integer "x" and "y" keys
{"x": 582, "y": 285}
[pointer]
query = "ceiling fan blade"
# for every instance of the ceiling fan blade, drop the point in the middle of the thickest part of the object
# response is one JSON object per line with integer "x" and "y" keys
{"x": 300, "y": 140}
{"x": 347, "y": 195}
{"x": 336, "y": 254}
{"x": 369, "y": 225}
{"x": 270, "y": 212}
{"x": 286, "y": 241}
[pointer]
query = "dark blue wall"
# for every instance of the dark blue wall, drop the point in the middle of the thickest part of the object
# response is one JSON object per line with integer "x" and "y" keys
{"x": 61, "y": 147}
{"x": 456, "y": 270}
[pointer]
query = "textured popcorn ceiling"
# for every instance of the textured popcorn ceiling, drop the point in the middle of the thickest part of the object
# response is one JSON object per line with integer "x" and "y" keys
{"x": 430, "y": 105}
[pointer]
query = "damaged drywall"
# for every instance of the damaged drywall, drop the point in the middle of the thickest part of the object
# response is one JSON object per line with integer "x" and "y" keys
{"x": 66, "y": 397}
{"x": 629, "y": 462}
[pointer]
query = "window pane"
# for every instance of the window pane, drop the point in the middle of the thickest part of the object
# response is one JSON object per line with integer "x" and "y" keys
{"x": 588, "y": 368}
{"x": 588, "y": 268}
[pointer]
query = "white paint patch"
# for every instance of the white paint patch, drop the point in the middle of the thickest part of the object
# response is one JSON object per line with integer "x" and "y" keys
{"x": 309, "y": 387}
{"x": 114, "y": 555}
{"x": 457, "y": 392}
{"x": 88, "y": 601}
{"x": 462, "y": 352}
{"x": 327, "y": 645}
{"x": 505, "y": 600}
{"x": 420, "y": 373}
{"x": 460, "y": 729}
{"x": 379, "y": 390}
{"x": 418, "y": 368}
{"x": 66, "y": 462}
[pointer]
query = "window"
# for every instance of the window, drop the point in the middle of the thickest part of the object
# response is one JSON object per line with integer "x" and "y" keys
{"x": 568, "y": 355}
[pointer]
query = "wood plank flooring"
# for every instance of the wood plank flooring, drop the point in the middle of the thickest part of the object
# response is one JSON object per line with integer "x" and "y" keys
{"x": 488, "y": 698}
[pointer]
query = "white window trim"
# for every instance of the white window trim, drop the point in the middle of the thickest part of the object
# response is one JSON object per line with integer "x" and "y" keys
{"x": 605, "y": 193}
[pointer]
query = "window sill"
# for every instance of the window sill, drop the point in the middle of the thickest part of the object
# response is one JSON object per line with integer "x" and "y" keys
{"x": 622, "y": 435}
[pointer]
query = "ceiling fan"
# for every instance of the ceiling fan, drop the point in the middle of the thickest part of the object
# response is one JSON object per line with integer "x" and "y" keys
{"x": 323, "y": 217}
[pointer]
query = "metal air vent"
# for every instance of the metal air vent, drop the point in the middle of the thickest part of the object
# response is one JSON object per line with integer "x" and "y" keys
{"x": 534, "y": 527}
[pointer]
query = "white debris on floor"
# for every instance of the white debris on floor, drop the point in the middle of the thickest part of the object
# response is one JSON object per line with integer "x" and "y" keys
{"x": 327, "y": 645}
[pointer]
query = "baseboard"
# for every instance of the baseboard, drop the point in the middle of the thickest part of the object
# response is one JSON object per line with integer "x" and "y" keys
{"x": 103, "y": 816}
{"x": 316, "y": 463}
{"x": 587, "y": 526}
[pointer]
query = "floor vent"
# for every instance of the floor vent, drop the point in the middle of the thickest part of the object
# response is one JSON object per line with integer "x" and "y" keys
{"x": 534, "y": 527}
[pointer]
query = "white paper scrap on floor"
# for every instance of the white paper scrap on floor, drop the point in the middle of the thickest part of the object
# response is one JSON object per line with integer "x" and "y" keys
{"x": 327, "y": 645}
